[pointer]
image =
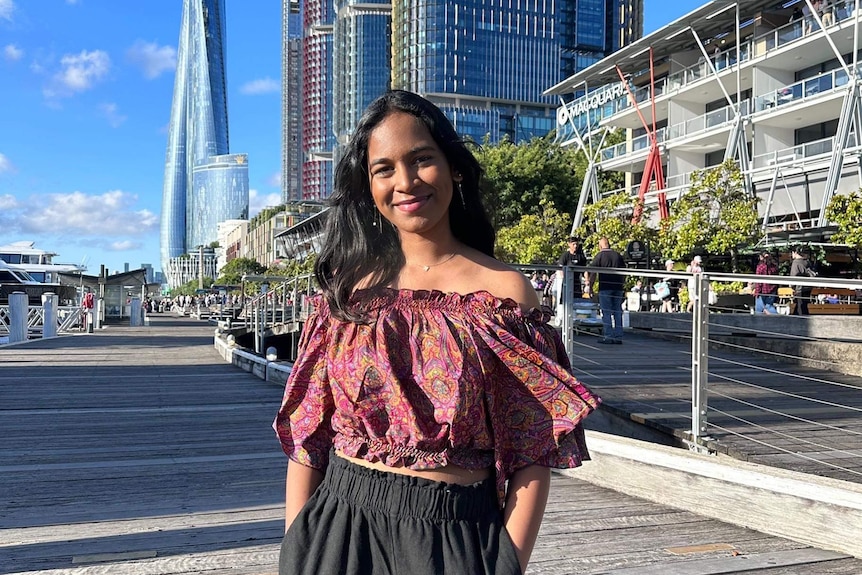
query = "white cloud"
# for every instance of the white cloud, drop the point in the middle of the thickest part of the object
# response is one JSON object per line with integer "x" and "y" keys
{"x": 5, "y": 164}
{"x": 256, "y": 202}
{"x": 12, "y": 52}
{"x": 80, "y": 215}
{"x": 79, "y": 72}
{"x": 6, "y": 9}
{"x": 261, "y": 86}
{"x": 152, "y": 58}
{"x": 8, "y": 202}
{"x": 274, "y": 180}
{"x": 124, "y": 246}
{"x": 110, "y": 111}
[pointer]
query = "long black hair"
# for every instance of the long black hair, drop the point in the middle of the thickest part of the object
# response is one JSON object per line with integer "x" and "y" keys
{"x": 354, "y": 247}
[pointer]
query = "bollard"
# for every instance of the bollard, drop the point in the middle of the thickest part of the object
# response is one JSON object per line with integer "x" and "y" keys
{"x": 18, "y": 310}
{"x": 90, "y": 320}
{"x": 99, "y": 313}
{"x": 135, "y": 312}
{"x": 49, "y": 312}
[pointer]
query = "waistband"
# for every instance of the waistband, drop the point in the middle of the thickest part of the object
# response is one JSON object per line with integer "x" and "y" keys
{"x": 410, "y": 496}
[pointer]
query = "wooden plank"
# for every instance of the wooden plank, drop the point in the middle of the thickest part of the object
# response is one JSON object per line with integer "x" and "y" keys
{"x": 737, "y": 563}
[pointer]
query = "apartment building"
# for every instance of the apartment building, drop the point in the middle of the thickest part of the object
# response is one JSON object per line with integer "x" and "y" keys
{"x": 773, "y": 85}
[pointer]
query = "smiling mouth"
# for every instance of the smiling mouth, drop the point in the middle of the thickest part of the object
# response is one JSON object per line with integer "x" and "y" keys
{"x": 412, "y": 204}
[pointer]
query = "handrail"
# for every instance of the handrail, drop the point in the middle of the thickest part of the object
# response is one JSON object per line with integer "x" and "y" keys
{"x": 286, "y": 301}
{"x": 69, "y": 319}
{"x": 696, "y": 324}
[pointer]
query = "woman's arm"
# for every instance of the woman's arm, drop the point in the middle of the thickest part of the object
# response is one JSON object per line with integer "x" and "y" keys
{"x": 300, "y": 485}
{"x": 525, "y": 507}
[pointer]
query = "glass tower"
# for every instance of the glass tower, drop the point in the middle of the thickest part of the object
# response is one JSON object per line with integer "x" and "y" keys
{"x": 318, "y": 138}
{"x": 203, "y": 184}
{"x": 486, "y": 62}
{"x": 291, "y": 101}
{"x": 361, "y": 40}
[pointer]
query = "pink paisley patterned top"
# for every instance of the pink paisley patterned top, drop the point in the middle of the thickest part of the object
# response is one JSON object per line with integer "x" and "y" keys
{"x": 434, "y": 378}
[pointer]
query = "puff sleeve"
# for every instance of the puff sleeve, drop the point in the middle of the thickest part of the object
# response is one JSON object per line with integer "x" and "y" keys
{"x": 535, "y": 404}
{"x": 303, "y": 423}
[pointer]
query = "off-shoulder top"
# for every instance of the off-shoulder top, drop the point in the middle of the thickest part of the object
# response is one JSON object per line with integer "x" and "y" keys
{"x": 433, "y": 379}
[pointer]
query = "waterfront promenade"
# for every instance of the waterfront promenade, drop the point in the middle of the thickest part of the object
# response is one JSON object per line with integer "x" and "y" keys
{"x": 139, "y": 451}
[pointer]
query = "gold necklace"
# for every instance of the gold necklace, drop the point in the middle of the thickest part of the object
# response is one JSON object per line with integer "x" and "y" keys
{"x": 426, "y": 268}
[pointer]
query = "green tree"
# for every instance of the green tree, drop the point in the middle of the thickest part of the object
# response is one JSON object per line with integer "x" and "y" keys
{"x": 611, "y": 217}
{"x": 232, "y": 272}
{"x": 846, "y": 212}
{"x": 534, "y": 239}
{"x": 190, "y": 287}
{"x": 519, "y": 176}
{"x": 715, "y": 214}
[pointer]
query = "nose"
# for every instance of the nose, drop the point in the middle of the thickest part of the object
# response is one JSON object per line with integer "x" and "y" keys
{"x": 406, "y": 178}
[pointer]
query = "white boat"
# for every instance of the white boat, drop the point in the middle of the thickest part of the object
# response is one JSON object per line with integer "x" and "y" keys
{"x": 14, "y": 279}
{"x": 38, "y": 263}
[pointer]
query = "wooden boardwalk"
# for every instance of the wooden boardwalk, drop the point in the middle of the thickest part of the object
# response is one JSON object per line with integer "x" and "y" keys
{"x": 138, "y": 451}
{"x": 761, "y": 408}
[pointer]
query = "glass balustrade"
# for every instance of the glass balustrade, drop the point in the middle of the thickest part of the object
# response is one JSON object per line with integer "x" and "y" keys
{"x": 807, "y": 88}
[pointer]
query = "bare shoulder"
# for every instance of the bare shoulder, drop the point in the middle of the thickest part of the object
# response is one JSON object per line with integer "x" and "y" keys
{"x": 503, "y": 281}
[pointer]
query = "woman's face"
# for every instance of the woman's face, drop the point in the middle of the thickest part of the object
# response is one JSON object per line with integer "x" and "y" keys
{"x": 410, "y": 179}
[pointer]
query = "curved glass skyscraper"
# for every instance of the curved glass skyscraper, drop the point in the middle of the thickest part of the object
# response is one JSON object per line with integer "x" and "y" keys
{"x": 203, "y": 183}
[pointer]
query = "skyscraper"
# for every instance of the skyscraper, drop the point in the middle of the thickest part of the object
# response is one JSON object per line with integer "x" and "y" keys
{"x": 318, "y": 139}
{"x": 484, "y": 62}
{"x": 204, "y": 184}
{"x": 291, "y": 101}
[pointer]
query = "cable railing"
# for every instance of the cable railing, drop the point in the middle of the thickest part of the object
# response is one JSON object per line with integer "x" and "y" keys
{"x": 778, "y": 388}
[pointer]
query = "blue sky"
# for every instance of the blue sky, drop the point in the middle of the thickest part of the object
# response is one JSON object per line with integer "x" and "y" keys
{"x": 85, "y": 95}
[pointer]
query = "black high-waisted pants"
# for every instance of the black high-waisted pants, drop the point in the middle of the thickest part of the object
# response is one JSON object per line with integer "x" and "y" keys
{"x": 363, "y": 521}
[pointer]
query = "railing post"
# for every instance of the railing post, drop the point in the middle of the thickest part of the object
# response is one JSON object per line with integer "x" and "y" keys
{"x": 699, "y": 358}
{"x": 49, "y": 320}
{"x": 567, "y": 299}
{"x": 18, "y": 311}
{"x": 135, "y": 312}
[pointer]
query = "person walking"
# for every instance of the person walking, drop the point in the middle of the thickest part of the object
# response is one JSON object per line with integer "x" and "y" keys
{"x": 430, "y": 396}
{"x": 800, "y": 266}
{"x": 765, "y": 293}
{"x": 694, "y": 267}
{"x": 610, "y": 290}
{"x": 669, "y": 298}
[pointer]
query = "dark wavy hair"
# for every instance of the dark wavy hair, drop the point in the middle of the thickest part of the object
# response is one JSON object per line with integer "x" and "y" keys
{"x": 353, "y": 247}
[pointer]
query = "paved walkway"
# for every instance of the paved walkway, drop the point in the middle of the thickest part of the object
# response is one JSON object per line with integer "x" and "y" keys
{"x": 138, "y": 451}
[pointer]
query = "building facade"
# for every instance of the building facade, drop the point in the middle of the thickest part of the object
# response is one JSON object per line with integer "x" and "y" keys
{"x": 203, "y": 183}
{"x": 291, "y": 101}
{"x": 318, "y": 138}
{"x": 361, "y": 37}
{"x": 484, "y": 62}
{"x": 750, "y": 82}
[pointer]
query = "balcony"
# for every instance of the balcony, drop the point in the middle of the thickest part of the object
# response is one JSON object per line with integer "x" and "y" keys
{"x": 809, "y": 88}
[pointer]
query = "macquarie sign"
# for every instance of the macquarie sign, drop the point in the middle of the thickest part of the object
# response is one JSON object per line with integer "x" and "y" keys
{"x": 575, "y": 112}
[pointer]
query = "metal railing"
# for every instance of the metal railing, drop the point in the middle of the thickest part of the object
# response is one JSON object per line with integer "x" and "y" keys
{"x": 69, "y": 319}
{"x": 284, "y": 301}
{"x": 711, "y": 322}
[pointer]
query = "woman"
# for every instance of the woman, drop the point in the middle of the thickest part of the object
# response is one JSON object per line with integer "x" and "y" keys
{"x": 693, "y": 268}
{"x": 668, "y": 301}
{"x": 425, "y": 379}
{"x": 765, "y": 293}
